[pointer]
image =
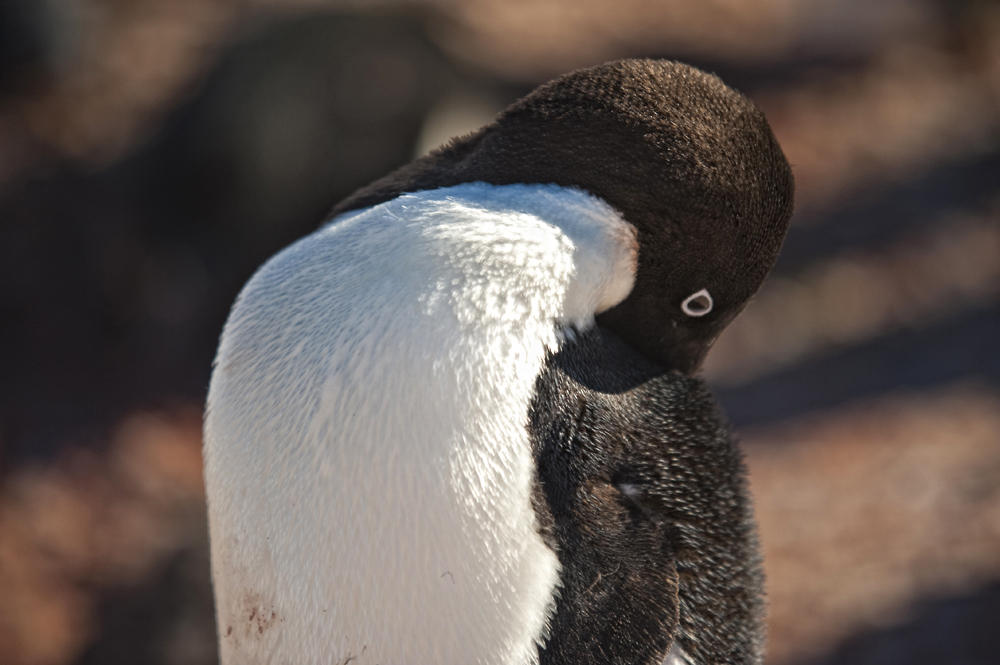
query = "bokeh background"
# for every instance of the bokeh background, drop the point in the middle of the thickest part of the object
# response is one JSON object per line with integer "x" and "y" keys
{"x": 153, "y": 153}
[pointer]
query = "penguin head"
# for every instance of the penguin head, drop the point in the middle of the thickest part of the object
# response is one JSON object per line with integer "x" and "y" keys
{"x": 689, "y": 162}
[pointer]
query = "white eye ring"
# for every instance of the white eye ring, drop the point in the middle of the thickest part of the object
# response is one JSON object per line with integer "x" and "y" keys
{"x": 697, "y": 304}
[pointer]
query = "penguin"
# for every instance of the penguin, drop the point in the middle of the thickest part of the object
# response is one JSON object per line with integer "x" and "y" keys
{"x": 460, "y": 422}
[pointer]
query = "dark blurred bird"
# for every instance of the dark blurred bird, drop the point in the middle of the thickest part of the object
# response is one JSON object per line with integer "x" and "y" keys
{"x": 458, "y": 423}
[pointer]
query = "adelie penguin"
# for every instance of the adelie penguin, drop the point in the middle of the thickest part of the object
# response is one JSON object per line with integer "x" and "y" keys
{"x": 457, "y": 424}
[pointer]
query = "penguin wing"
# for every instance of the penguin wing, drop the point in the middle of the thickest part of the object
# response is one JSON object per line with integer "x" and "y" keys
{"x": 642, "y": 494}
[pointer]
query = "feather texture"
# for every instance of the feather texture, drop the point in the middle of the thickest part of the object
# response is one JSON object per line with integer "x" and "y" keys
{"x": 368, "y": 466}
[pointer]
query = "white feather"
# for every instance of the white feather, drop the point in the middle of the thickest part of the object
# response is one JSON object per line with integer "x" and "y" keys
{"x": 367, "y": 460}
{"x": 676, "y": 656}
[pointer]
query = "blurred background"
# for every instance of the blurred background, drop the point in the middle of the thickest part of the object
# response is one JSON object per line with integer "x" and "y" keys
{"x": 152, "y": 154}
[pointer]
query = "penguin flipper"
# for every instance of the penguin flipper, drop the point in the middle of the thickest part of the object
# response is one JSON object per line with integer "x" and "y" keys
{"x": 642, "y": 494}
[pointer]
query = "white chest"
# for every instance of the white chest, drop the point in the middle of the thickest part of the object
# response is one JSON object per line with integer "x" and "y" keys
{"x": 368, "y": 468}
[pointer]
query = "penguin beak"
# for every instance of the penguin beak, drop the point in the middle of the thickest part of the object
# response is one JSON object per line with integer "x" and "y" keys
{"x": 683, "y": 351}
{"x": 677, "y": 345}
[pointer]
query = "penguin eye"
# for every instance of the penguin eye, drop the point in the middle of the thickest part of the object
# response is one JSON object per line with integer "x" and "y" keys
{"x": 697, "y": 304}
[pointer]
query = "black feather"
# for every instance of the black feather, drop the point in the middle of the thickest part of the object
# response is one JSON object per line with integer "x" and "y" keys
{"x": 674, "y": 556}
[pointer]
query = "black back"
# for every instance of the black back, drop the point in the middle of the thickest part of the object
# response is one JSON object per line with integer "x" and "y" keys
{"x": 675, "y": 553}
